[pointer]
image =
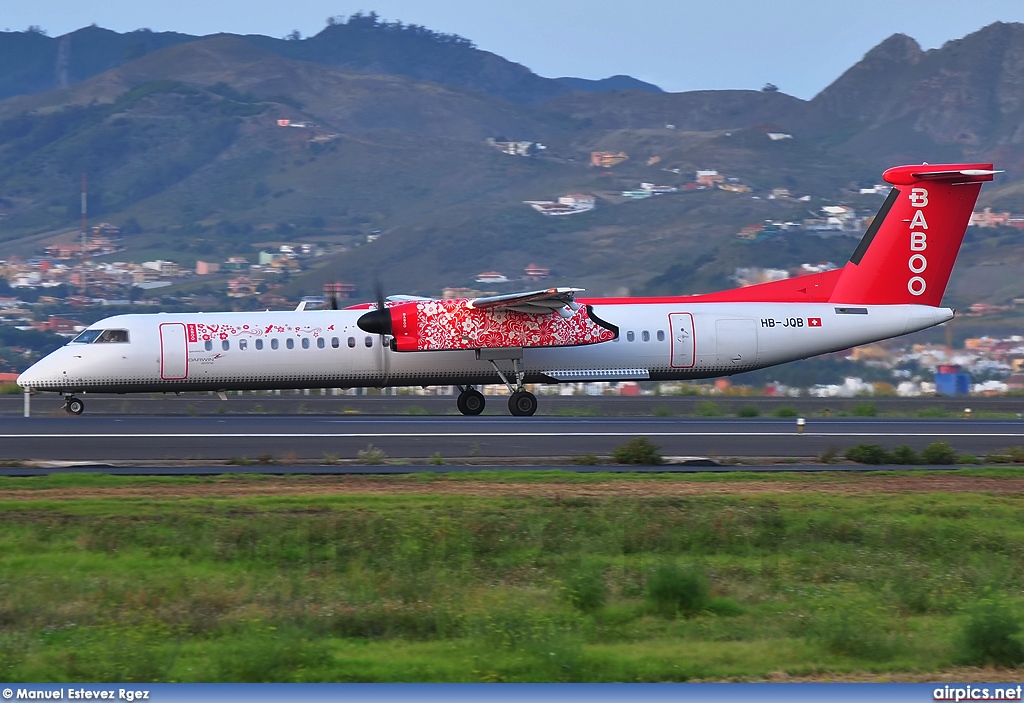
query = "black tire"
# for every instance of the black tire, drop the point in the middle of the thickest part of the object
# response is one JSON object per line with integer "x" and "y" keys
{"x": 471, "y": 402}
{"x": 74, "y": 406}
{"x": 522, "y": 403}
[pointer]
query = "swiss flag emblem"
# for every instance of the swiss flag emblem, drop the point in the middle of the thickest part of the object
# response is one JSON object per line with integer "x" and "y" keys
{"x": 814, "y": 322}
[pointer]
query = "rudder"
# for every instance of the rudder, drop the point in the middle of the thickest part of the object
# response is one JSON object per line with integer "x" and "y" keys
{"x": 908, "y": 252}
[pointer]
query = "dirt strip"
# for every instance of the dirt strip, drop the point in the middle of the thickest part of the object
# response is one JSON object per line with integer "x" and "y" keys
{"x": 241, "y": 487}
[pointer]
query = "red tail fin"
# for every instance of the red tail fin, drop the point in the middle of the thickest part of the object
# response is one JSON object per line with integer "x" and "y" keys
{"x": 908, "y": 252}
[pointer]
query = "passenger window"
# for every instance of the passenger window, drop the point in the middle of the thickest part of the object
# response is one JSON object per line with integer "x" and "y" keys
{"x": 274, "y": 343}
{"x": 351, "y": 342}
{"x": 321, "y": 342}
{"x": 335, "y": 342}
{"x": 305, "y": 342}
{"x": 368, "y": 341}
{"x": 242, "y": 345}
{"x": 646, "y": 336}
{"x": 290, "y": 343}
{"x": 630, "y": 336}
{"x": 661, "y": 335}
{"x": 208, "y": 346}
{"x": 225, "y": 345}
{"x": 259, "y": 344}
{"x": 117, "y": 336}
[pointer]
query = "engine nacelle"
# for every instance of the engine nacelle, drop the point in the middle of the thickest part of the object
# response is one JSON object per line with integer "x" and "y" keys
{"x": 448, "y": 325}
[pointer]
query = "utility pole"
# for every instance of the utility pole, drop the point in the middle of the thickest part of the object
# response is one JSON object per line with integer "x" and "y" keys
{"x": 85, "y": 210}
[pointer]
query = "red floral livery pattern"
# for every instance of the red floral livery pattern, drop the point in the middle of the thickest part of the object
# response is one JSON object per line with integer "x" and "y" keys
{"x": 442, "y": 325}
{"x": 200, "y": 332}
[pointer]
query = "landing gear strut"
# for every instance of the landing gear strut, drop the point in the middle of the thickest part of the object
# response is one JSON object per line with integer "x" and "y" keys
{"x": 470, "y": 401}
{"x": 73, "y": 406}
{"x": 522, "y": 402}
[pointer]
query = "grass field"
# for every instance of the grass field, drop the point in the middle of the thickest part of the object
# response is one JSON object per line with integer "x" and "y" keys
{"x": 546, "y": 577}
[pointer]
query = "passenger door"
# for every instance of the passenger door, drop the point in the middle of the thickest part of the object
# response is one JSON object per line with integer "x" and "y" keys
{"x": 173, "y": 351}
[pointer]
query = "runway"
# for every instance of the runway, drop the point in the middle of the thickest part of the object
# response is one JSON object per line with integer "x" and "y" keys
{"x": 288, "y": 439}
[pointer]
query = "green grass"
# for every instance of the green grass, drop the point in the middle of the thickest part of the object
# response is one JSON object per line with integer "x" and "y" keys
{"x": 431, "y": 587}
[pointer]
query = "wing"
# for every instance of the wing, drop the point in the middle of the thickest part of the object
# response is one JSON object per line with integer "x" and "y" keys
{"x": 537, "y": 302}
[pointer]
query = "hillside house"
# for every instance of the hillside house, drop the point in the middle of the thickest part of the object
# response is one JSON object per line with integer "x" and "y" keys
{"x": 607, "y": 159}
{"x": 536, "y": 273}
{"x": 709, "y": 178}
{"x": 987, "y": 218}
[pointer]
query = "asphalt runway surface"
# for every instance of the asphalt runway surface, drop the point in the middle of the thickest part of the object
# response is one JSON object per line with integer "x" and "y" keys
{"x": 289, "y": 439}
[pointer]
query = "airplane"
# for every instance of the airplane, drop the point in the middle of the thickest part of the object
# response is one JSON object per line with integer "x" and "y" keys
{"x": 892, "y": 285}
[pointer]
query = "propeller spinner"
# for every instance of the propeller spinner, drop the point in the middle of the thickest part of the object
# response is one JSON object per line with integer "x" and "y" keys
{"x": 376, "y": 321}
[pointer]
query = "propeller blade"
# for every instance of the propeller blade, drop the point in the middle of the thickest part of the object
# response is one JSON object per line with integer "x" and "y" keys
{"x": 377, "y": 321}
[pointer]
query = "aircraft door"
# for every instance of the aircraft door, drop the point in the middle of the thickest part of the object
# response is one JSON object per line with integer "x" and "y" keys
{"x": 680, "y": 326}
{"x": 736, "y": 342}
{"x": 173, "y": 351}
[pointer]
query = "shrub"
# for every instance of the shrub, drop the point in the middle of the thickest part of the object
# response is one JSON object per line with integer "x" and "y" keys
{"x": 1016, "y": 454}
{"x": 864, "y": 410}
{"x": 586, "y": 589}
{"x": 785, "y": 411}
{"x": 829, "y": 455}
{"x": 938, "y": 453}
{"x": 707, "y": 408}
{"x": 868, "y": 454}
{"x": 748, "y": 411}
{"x": 904, "y": 455}
{"x": 586, "y": 460}
{"x": 857, "y": 629}
{"x": 990, "y": 636}
{"x": 437, "y": 459}
{"x": 371, "y": 455}
{"x": 663, "y": 411}
{"x": 673, "y": 590}
{"x": 968, "y": 459}
{"x": 637, "y": 451}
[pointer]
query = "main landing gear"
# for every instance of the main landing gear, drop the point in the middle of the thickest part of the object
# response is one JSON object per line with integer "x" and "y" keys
{"x": 73, "y": 406}
{"x": 470, "y": 401}
{"x": 522, "y": 402}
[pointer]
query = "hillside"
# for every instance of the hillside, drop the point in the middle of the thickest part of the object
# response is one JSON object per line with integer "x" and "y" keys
{"x": 180, "y": 138}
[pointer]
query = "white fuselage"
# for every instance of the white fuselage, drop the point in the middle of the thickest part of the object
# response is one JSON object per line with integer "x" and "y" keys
{"x": 325, "y": 349}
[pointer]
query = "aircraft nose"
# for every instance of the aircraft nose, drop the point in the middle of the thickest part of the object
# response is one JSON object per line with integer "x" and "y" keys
{"x": 38, "y": 375}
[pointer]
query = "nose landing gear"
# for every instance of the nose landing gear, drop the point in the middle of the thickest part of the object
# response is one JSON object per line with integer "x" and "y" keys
{"x": 73, "y": 406}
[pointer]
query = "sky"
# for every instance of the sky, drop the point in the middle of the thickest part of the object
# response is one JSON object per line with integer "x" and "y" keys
{"x": 799, "y": 45}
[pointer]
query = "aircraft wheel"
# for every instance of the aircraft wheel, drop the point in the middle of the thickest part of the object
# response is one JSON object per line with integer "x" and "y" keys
{"x": 74, "y": 406}
{"x": 522, "y": 403}
{"x": 471, "y": 402}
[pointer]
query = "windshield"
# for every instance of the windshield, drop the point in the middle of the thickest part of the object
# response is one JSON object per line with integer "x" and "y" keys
{"x": 101, "y": 336}
{"x": 87, "y": 337}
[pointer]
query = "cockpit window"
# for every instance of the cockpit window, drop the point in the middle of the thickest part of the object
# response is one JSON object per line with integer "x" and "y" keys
{"x": 87, "y": 337}
{"x": 113, "y": 336}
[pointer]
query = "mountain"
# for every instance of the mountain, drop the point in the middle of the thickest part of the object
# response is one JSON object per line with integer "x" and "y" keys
{"x": 386, "y": 135}
{"x": 35, "y": 63}
{"x": 963, "y": 100}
